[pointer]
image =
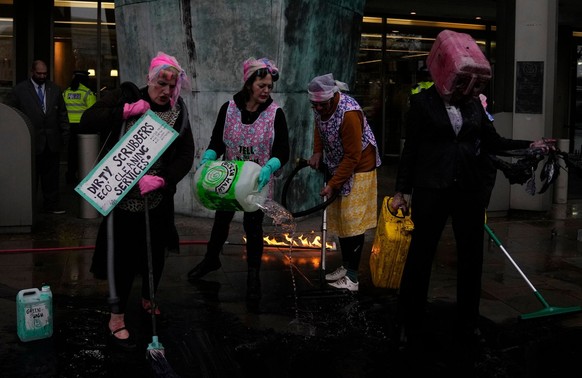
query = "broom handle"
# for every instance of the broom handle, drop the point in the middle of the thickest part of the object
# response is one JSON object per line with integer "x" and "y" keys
{"x": 498, "y": 242}
{"x": 323, "y": 234}
{"x": 150, "y": 264}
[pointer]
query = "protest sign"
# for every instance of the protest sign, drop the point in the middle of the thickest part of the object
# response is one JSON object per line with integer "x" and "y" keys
{"x": 126, "y": 163}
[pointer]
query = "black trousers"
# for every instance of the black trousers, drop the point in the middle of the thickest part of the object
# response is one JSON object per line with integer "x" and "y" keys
{"x": 253, "y": 227}
{"x": 430, "y": 211}
{"x": 48, "y": 176}
{"x": 73, "y": 153}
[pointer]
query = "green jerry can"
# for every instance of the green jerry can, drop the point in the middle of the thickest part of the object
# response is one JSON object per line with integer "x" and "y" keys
{"x": 34, "y": 311}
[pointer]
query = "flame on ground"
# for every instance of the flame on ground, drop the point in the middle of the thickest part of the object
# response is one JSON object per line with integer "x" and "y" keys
{"x": 304, "y": 241}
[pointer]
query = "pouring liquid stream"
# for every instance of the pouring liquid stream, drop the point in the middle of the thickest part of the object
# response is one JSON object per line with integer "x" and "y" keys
{"x": 284, "y": 221}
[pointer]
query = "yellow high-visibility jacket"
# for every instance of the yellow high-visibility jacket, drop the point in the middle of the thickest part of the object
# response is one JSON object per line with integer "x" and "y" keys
{"x": 422, "y": 85}
{"x": 78, "y": 101}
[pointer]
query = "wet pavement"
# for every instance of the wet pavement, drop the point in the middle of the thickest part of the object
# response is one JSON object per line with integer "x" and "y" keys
{"x": 301, "y": 327}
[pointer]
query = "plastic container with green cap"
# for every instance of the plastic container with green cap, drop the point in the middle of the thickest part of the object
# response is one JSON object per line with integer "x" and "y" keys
{"x": 229, "y": 185}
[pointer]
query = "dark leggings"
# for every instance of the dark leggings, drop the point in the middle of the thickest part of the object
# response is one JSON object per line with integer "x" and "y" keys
{"x": 351, "y": 249}
{"x": 253, "y": 227}
{"x": 130, "y": 253}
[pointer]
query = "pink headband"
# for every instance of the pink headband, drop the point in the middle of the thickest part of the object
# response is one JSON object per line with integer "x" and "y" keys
{"x": 164, "y": 61}
{"x": 251, "y": 65}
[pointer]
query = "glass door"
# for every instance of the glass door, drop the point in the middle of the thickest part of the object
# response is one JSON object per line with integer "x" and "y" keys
{"x": 391, "y": 62}
{"x": 85, "y": 39}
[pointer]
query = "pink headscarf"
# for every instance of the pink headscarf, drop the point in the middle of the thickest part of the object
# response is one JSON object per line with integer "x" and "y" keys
{"x": 251, "y": 65}
{"x": 163, "y": 61}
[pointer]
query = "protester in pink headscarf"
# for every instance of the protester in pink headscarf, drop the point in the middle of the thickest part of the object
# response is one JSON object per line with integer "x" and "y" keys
{"x": 167, "y": 66}
{"x": 112, "y": 116}
{"x": 250, "y": 127}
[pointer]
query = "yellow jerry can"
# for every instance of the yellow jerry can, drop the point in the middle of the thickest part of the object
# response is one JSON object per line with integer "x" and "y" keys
{"x": 390, "y": 246}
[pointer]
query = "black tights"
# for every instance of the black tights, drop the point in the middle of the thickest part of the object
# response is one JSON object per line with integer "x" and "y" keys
{"x": 253, "y": 227}
{"x": 130, "y": 252}
{"x": 351, "y": 249}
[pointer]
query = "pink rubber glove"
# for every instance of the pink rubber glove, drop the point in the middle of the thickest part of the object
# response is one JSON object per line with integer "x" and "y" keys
{"x": 149, "y": 183}
{"x": 546, "y": 144}
{"x": 135, "y": 109}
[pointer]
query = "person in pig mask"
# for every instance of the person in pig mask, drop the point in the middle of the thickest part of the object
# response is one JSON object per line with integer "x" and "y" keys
{"x": 441, "y": 175}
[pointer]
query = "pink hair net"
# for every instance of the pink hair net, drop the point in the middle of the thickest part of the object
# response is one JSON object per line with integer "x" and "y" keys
{"x": 164, "y": 61}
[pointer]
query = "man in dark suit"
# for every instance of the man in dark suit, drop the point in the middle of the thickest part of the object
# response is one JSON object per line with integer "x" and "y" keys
{"x": 42, "y": 102}
{"x": 443, "y": 168}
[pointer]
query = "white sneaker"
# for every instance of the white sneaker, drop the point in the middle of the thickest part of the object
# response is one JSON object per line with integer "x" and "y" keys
{"x": 337, "y": 274}
{"x": 345, "y": 283}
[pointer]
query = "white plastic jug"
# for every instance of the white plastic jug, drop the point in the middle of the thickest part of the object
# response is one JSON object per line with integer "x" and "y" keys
{"x": 229, "y": 185}
{"x": 34, "y": 311}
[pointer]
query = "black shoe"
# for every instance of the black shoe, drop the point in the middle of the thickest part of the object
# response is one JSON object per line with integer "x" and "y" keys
{"x": 253, "y": 285}
{"x": 127, "y": 345}
{"x": 206, "y": 266}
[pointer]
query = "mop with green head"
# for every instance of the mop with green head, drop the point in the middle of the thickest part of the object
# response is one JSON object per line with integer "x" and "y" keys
{"x": 155, "y": 351}
{"x": 547, "y": 310}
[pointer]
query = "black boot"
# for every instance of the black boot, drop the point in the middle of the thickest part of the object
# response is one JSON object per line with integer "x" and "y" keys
{"x": 207, "y": 265}
{"x": 253, "y": 284}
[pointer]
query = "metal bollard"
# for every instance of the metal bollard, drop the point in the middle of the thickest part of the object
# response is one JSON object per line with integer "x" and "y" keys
{"x": 88, "y": 153}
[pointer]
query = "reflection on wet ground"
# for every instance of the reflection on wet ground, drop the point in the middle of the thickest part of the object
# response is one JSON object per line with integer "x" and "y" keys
{"x": 301, "y": 327}
{"x": 337, "y": 335}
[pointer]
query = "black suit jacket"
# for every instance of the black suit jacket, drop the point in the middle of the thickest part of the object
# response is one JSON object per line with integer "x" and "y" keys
{"x": 51, "y": 128}
{"x": 434, "y": 157}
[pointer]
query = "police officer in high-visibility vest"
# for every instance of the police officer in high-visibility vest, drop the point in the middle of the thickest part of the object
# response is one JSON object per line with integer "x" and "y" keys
{"x": 78, "y": 98}
{"x": 424, "y": 80}
{"x": 420, "y": 86}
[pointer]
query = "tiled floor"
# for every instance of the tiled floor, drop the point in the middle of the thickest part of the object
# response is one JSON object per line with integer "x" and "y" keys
{"x": 302, "y": 327}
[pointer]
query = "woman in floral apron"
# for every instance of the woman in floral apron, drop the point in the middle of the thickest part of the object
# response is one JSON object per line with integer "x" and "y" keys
{"x": 250, "y": 127}
{"x": 344, "y": 142}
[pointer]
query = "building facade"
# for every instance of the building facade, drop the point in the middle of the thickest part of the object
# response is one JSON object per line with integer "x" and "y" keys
{"x": 391, "y": 42}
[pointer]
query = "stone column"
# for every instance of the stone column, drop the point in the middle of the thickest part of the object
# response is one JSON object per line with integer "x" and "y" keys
{"x": 211, "y": 39}
{"x": 535, "y": 47}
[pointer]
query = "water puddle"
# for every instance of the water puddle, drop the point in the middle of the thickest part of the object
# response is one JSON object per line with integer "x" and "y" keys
{"x": 321, "y": 307}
